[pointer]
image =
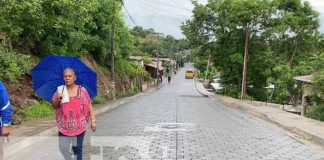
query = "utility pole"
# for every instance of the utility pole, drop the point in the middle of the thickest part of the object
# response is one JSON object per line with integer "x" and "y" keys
{"x": 246, "y": 58}
{"x": 113, "y": 52}
{"x": 207, "y": 68}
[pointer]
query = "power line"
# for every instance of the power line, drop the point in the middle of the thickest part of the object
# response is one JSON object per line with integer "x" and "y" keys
{"x": 155, "y": 10}
{"x": 141, "y": 6}
{"x": 178, "y": 4}
{"x": 128, "y": 13}
{"x": 166, "y": 4}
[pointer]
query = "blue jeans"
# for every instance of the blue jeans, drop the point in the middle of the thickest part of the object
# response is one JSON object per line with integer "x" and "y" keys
{"x": 77, "y": 145}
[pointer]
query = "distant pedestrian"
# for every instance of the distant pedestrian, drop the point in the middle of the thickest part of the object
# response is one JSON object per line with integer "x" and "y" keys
{"x": 169, "y": 78}
{"x": 5, "y": 114}
{"x": 73, "y": 110}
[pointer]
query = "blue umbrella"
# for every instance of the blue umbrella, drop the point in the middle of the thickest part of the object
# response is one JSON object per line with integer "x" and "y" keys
{"x": 48, "y": 75}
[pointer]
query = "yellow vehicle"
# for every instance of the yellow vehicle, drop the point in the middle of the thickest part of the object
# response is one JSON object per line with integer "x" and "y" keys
{"x": 189, "y": 74}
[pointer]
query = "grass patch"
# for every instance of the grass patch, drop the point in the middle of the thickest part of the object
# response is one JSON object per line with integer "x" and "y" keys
{"x": 128, "y": 93}
{"x": 98, "y": 100}
{"x": 133, "y": 91}
{"x": 40, "y": 110}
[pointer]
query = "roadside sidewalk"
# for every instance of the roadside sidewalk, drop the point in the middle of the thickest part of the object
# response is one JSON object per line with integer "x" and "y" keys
{"x": 308, "y": 129}
{"x": 32, "y": 132}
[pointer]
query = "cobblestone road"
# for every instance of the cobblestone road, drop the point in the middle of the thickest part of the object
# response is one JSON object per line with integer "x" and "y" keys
{"x": 175, "y": 122}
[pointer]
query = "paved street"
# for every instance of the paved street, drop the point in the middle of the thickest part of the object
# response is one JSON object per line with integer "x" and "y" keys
{"x": 175, "y": 122}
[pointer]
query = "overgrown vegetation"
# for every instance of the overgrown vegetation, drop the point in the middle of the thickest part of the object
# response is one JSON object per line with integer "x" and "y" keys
{"x": 283, "y": 35}
{"x": 318, "y": 75}
{"x": 98, "y": 100}
{"x": 68, "y": 27}
{"x": 32, "y": 29}
{"x": 317, "y": 111}
{"x": 13, "y": 65}
{"x": 148, "y": 42}
{"x": 128, "y": 93}
{"x": 39, "y": 110}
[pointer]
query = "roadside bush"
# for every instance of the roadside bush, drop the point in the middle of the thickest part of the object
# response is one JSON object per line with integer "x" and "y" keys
{"x": 258, "y": 93}
{"x": 40, "y": 110}
{"x": 318, "y": 75}
{"x": 249, "y": 97}
{"x": 133, "y": 91}
{"x": 13, "y": 65}
{"x": 316, "y": 112}
{"x": 128, "y": 93}
{"x": 98, "y": 100}
{"x": 232, "y": 91}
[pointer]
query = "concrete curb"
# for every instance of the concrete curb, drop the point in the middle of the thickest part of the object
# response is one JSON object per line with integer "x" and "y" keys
{"x": 200, "y": 92}
{"x": 22, "y": 142}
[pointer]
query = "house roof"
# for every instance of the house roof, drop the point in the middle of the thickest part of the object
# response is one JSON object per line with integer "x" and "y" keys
{"x": 137, "y": 58}
{"x": 154, "y": 66}
{"x": 155, "y": 59}
{"x": 165, "y": 59}
{"x": 306, "y": 78}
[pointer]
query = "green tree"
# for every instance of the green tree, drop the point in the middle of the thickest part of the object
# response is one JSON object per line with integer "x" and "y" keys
{"x": 316, "y": 110}
{"x": 147, "y": 42}
{"x": 282, "y": 33}
{"x": 72, "y": 27}
{"x": 318, "y": 75}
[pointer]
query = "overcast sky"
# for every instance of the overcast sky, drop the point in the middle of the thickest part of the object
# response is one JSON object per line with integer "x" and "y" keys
{"x": 166, "y": 16}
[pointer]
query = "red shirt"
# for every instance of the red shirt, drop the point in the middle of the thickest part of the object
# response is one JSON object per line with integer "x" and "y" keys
{"x": 72, "y": 117}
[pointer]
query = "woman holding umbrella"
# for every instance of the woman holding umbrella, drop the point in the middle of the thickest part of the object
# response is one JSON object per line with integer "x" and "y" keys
{"x": 70, "y": 85}
{"x": 73, "y": 110}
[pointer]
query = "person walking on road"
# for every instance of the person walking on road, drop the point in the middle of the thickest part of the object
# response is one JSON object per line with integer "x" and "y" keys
{"x": 73, "y": 110}
{"x": 169, "y": 78}
{"x": 5, "y": 114}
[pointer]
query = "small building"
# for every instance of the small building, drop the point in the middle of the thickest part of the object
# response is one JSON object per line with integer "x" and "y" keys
{"x": 306, "y": 91}
{"x": 165, "y": 59}
{"x": 154, "y": 59}
{"x": 137, "y": 59}
{"x": 169, "y": 61}
{"x": 151, "y": 68}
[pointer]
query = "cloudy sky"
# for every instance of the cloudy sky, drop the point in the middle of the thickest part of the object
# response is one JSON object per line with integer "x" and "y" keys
{"x": 166, "y": 16}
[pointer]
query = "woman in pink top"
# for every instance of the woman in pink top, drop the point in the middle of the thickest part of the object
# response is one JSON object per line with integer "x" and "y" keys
{"x": 72, "y": 117}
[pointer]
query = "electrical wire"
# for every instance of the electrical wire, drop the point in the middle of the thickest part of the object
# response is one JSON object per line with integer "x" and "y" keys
{"x": 156, "y": 10}
{"x": 166, "y": 4}
{"x": 128, "y": 14}
{"x": 180, "y": 5}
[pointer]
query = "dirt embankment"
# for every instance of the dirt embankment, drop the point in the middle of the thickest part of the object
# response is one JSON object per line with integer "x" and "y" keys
{"x": 22, "y": 95}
